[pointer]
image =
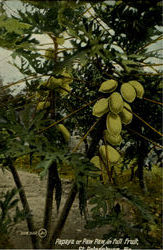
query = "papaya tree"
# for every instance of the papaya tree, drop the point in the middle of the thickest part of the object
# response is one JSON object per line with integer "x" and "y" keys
{"x": 91, "y": 79}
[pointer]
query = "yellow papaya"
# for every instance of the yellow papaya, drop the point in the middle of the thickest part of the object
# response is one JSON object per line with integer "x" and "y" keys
{"x": 126, "y": 116}
{"x": 53, "y": 83}
{"x": 110, "y": 153}
{"x": 66, "y": 134}
{"x": 66, "y": 89}
{"x": 108, "y": 86}
{"x": 113, "y": 124}
{"x": 115, "y": 103}
{"x": 42, "y": 105}
{"x": 128, "y": 92}
{"x": 114, "y": 140}
{"x": 138, "y": 88}
{"x": 101, "y": 107}
{"x": 96, "y": 161}
{"x": 67, "y": 78}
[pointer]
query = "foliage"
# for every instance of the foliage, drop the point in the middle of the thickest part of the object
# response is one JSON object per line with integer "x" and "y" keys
{"x": 8, "y": 202}
{"x": 111, "y": 205}
{"x": 64, "y": 83}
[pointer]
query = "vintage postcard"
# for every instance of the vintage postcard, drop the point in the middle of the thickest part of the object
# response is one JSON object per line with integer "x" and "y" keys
{"x": 81, "y": 124}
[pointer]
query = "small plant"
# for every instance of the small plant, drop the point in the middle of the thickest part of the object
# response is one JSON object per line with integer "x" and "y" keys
{"x": 7, "y": 203}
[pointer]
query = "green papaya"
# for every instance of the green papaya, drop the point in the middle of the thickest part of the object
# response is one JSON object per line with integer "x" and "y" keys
{"x": 138, "y": 88}
{"x": 108, "y": 86}
{"x": 66, "y": 89}
{"x": 42, "y": 105}
{"x": 66, "y": 134}
{"x": 128, "y": 92}
{"x": 108, "y": 152}
{"x": 113, "y": 124}
{"x": 113, "y": 140}
{"x": 54, "y": 83}
{"x": 115, "y": 103}
{"x": 126, "y": 116}
{"x": 67, "y": 78}
{"x": 96, "y": 161}
{"x": 101, "y": 107}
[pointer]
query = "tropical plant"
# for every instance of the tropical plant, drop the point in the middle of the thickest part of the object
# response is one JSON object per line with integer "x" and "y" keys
{"x": 97, "y": 86}
{"x": 7, "y": 202}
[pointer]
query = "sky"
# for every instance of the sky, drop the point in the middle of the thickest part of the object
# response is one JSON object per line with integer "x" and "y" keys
{"x": 9, "y": 73}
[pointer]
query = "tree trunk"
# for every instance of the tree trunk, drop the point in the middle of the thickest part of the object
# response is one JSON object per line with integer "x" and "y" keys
{"x": 65, "y": 212}
{"x": 49, "y": 198}
{"x": 29, "y": 219}
{"x": 53, "y": 180}
{"x": 69, "y": 202}
{"x": 142, "y": 151}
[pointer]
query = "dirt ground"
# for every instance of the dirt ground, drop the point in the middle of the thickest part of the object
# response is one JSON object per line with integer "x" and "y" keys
{"x": 35, "y": 190}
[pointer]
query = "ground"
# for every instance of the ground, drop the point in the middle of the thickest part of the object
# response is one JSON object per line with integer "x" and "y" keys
{"x": 36, "y": 190}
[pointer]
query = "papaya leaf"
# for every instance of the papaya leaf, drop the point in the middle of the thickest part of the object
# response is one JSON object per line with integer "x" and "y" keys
{"x": 12, "y": 25}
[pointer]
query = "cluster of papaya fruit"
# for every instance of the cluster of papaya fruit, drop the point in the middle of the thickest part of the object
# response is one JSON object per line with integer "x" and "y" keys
{"x": 60, "y": 85}
{"x": 118, "y": 111}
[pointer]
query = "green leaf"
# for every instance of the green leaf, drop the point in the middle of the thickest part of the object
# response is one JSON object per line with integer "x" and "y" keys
{"x": 60, "y": 40}
{"x": 45, "y": 166}
{"x": 13, "y": 25}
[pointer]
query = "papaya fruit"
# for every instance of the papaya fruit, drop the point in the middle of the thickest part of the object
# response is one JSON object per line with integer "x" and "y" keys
{"x": 113, "y": 140}
{"x": 66, "y": 134}
{"x": 101, "y": 107}
{"x": 126, "y": 116}
{"x": 42, "y": 105}
{"x": 108, "y": 86}
{"x": 128, "y": 92}
{"x": 110, "y": 153}
{"x": 115, "y": 103}
{"x": 138, "y": 88}
{"x": 113, "y": 124}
